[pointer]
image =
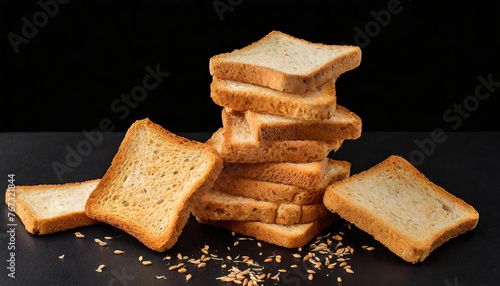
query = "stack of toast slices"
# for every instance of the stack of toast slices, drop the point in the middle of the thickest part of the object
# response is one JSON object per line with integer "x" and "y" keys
{"x": 265, "y": 174}
{"x": 280, "y": 121}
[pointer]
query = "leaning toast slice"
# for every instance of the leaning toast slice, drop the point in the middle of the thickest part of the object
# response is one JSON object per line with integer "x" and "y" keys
{"x": 289, "y": 236}
{"x": 282, "y": 62}
{"x": 147, "y": 189}
{"x": 47, "y": 209}
{"x": 343, "y": 124}
{"x": 240, "y": 96}
{"x": 218, "y": 205}
{"x": 401, "y": 208}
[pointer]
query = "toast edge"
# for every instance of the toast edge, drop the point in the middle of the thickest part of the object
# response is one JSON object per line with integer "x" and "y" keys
{"x": 247, "y": 100}
{"x": 305, "y": 130}
{"x": 265, "y": 232}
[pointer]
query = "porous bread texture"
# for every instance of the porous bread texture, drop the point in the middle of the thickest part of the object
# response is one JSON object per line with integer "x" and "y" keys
{"x": 237, "y": 145}
{"x": 218, "y": 205}
{"x": 316, "y": 105}
{"x": 147, "y": 189}
{"x": 304, "y": 175}
{"x": 401, "y": 208}
{"x": 45, "y": 209}
{"x": 266, "y": 127}
{"x": 288, "y": 236}
{"x": 282, "y": 193}
{"x": 282, "y": 62}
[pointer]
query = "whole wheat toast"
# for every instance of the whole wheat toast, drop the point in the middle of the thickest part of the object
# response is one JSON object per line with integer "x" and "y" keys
{"x": 282, "y": 62}
{"x": 401, "y": 208}
{"x": 147, "y": 189}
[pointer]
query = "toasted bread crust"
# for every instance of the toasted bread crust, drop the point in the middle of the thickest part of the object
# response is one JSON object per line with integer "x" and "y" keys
{"x": 253, "y": 151}
{"x": 282, "y": 173}
{"x": 281, "y": 81}
{"x": 295, "y": 152}
{"x": 212, "y": 207}
{"x": 286, "y": 151}
{"x": 321, "y": 130}
{"x": 403, "y": 246}
{"x": 281, "y": 192}
{"x": 35, "y": 225}
{"x": 171, "y": 232}
{"x": 243, "y": 100}
{"x": 267, "y": 191}
{"x": 268, "y": 233}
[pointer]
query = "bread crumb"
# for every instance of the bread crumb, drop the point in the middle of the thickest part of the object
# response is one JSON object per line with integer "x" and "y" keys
{"x": 100, "y": 268}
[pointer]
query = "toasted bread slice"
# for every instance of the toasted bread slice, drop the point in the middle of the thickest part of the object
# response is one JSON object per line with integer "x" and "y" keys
{"x": 304, "y": 175}
{"x": 147, "y": 189}
{"x": 282, "y": 193}
{"x": 243, "y": 151}
{"x": 45, "y": 209}
{"x": 401, "y": 208}
{"x": 218, "y": 205}
{"x": 240, "y": 96}
{"x": 237, "y": 145}
{"x": 285, "y": 63}
{"x": 289, "y": 236}
{"x": 343, "y": 124}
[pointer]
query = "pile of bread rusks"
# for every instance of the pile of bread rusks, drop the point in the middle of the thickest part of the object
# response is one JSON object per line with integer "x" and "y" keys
{"x": 280, "y": 122}
{"x": 265, "y": 173}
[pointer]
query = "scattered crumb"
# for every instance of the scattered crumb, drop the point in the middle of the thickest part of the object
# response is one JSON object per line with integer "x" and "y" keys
{"x": 100, "y": 268}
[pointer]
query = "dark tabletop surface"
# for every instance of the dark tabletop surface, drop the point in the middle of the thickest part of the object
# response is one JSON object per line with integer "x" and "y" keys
{"x": 466, "y": 164}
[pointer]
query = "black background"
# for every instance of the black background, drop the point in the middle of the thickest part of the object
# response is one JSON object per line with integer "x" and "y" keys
{"x": 427, "y": 58}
